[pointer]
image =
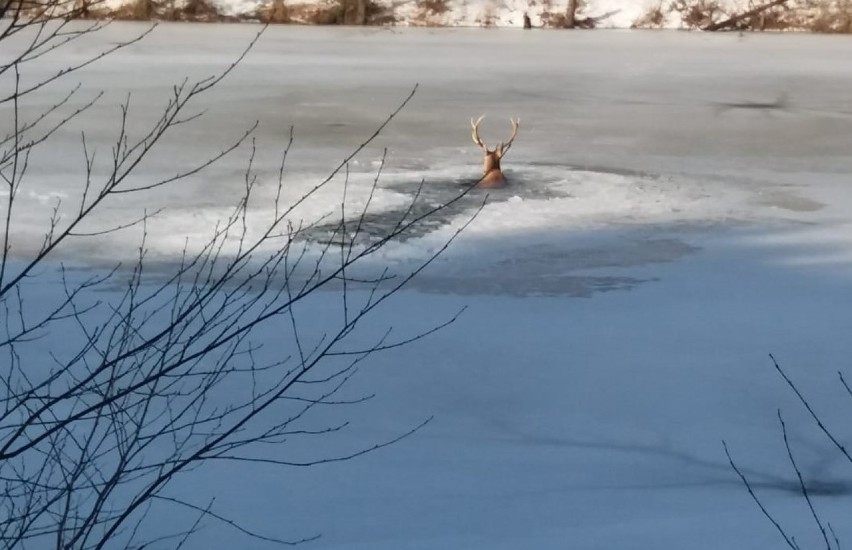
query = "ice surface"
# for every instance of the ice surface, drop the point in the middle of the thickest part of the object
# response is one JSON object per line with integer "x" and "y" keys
{"x": 701, "y": 228}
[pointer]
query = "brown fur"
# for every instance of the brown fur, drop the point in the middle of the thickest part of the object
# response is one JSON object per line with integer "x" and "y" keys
{"x": 492, "y": 175}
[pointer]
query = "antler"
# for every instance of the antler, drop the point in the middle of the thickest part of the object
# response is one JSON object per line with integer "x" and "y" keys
{"x": 504, "y": 147}
{"x": 476, "y": 139}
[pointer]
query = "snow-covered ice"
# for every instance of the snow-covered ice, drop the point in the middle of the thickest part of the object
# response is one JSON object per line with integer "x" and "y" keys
{"x": 679, "y": 208}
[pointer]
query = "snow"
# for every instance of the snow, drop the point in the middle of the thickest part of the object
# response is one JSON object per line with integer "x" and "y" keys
{"x": 660, "y": 237}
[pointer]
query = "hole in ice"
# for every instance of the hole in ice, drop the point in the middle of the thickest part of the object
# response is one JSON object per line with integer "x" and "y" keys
{"x": 438, "y": 191}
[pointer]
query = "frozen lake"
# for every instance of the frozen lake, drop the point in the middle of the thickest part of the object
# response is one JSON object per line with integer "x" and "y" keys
{"x": 647, "y": 130}
{"x": 678, "y": 208}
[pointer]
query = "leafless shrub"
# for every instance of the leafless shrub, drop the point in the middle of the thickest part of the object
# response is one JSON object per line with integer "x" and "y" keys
{"x": 89, "y": 9}
{"x": 832, "y": 16}
{"x": 552, "y": 20}
{"x": 134, "y": 10}
{"x": 436, "y": 7}
{"x": 430, "y": 13}
{"x": 698, "y": 14}
{"x": 343, "y": 12}
{"x": 557, "y": 18}
{"x": 168, "y": 10}
{"x": 199, "y": 10}
{"x": 126, "y": 379}
{"x": 653, "y": 18}
{"x": 40, "y": 10}
{"x": 275, "y": 11}
{"x": 325, "y": 14}
{"x": 565, "y": 20}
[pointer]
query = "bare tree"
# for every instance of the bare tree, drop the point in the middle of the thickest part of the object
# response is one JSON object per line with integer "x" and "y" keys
{"x": 131, "y": 376}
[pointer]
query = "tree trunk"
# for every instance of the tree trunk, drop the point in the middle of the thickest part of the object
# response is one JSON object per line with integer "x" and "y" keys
{"x": 571, "y": 14}
{"x": 361, "y": 13}
{"x": 278, "y": 13}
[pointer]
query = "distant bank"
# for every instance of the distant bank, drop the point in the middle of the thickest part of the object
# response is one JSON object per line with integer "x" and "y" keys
{"x": 823, "y": 16}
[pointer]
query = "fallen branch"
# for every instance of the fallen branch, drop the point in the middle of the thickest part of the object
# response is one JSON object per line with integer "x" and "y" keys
{"x": 731, "y": 22}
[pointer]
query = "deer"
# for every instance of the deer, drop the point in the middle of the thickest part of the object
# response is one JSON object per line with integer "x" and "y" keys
{"x": 492, "y": 176}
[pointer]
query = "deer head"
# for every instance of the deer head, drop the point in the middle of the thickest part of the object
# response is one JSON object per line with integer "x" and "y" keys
{"x": 492, "y": 176}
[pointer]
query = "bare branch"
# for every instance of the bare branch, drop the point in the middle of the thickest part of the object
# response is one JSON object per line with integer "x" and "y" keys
{"x": 789, "y": 540}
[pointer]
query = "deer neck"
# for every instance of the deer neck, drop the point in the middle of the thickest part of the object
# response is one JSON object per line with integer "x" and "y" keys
{"x": 492, "y": 175}
{"x": 491, "y": 163}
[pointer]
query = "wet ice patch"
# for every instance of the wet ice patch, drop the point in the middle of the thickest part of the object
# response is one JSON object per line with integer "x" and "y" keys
{"x": 787, "y": 200}
{"x": 552, "y": 231}
{"x": 547, "y": 201}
